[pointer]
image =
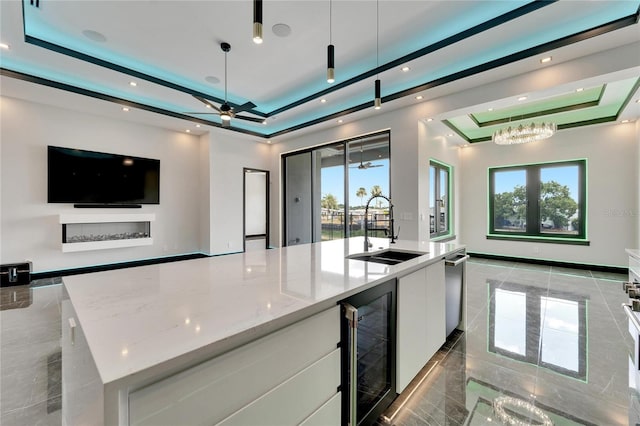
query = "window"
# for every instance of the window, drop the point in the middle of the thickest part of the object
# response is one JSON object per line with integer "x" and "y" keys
{"x": 539, "y": 201}
{"x": 439, "y": 199}
{"x": 326, "y": 189}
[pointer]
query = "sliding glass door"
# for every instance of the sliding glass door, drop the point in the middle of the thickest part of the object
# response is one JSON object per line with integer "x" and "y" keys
{"x": 326, "y": 188}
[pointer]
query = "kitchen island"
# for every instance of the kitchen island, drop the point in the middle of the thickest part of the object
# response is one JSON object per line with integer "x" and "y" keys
{"x": 132, "y": 338}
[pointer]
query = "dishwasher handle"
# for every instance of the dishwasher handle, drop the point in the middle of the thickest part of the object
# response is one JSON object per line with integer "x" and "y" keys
{"x": 456, "y": 261}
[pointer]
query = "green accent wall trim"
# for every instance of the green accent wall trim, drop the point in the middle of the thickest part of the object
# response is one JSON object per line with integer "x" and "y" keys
{"x": 551, "y": 240}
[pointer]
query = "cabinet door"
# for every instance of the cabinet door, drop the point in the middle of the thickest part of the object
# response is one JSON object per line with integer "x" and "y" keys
{"x": 82, "y": 391}
{"x": 421, "y": 321}
{"x": 435, "y": 309}
{"x": 412, "y": 339}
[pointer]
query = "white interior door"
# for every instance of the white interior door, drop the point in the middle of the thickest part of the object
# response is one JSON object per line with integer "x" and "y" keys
{"x": 256, "y": 209}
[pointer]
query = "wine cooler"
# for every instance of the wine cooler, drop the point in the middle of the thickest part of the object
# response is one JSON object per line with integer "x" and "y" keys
{"x": 368, "y": 354}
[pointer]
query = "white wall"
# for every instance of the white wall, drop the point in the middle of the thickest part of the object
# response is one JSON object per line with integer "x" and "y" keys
{"x": 229, "y": 154}
{"x": 612, "y": 193}
{"x": 29, "y": 227}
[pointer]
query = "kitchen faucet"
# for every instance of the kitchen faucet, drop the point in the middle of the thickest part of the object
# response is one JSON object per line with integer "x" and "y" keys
{"x": 393, "y": 237}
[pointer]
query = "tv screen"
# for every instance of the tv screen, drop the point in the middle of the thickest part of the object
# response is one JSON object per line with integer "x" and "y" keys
{"x": 87, "y": 177}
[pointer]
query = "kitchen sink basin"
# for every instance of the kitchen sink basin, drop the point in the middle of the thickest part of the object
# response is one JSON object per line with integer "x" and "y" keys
{"x": 387, "y": 257}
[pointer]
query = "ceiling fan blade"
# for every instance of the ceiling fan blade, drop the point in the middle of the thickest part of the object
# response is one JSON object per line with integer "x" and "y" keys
{"x": 206, "y": 102}
{"x": 253, "y": 119}
{"x": 245, "y": 107}
{"x": 214, "y": 113}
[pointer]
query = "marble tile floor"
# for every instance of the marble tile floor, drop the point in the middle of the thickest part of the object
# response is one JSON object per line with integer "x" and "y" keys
{"x": 549, "y": 345}
{"x": 542, "y": 337}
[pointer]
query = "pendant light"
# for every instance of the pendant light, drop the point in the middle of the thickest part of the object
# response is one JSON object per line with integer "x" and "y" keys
{"x": 330, "y": 54}
{"x": 377, "y": 103}
{"x": 257, "y": 21}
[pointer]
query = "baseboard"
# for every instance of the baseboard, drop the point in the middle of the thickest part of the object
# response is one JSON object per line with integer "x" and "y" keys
{"x": 590, "y": 267}
{"x": 112, "y": 266}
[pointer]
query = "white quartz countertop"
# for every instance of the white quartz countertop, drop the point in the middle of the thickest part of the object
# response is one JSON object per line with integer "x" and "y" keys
{"x": 138, "y": 318}
{"x": 634, "y": 253}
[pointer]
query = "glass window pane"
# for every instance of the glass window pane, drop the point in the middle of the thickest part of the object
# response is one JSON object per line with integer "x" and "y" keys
{"x": 331, "y": 192}
{"x": 510, "y": 201}
{"x": 432, "y": 199}
{"x": 443, "y": 223}
{"x": 369, "y": 175}
{"x": 559, "y": 200}
{"x": 511, "y": 321}
{"x": 560, "y": 333}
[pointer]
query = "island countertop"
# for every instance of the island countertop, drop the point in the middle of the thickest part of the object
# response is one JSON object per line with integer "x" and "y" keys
{"x": 138, "y": 318}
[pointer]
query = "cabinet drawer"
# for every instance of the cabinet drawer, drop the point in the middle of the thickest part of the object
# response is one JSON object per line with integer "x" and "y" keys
{"x": 329, "y": 414}
{"x": 293, "y": 401}
{"x": 211, "y": 391}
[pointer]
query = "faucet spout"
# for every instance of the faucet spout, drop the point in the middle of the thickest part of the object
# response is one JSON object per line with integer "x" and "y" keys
{"x": 392, "y": 236}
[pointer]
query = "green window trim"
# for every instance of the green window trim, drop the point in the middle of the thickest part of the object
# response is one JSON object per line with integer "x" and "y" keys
{"x": 436, "y": 233}
{"x": 532, "y": 198}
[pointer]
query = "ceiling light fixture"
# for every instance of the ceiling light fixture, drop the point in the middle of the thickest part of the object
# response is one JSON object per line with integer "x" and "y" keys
{"x": 524, "y": 133}
{"x": 257, "y": 21}
{"x": 579, "y": 89}
{"x": 545, "y": 60}
{"x": 133, "y": 84}
{"x": 125, "y": 109}
{"x": 323, "y": 100}
{"x": 419, "y": 97}
{"x": 405, "y": 69}
{"x": 331, "y": 76}
{"x": 4, "y": 46}
{"x": 522, "y": 98}
{"x": 377, "y": 103}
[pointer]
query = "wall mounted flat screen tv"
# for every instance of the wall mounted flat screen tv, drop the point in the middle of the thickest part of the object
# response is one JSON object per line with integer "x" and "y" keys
{"x": 87, "y": 177}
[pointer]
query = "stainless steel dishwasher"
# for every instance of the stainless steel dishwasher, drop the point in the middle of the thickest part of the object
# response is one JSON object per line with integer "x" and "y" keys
{"x": 454, "y": 276}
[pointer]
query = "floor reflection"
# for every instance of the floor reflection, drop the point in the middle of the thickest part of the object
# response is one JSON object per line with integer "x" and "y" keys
{"x": 547, "y": 346}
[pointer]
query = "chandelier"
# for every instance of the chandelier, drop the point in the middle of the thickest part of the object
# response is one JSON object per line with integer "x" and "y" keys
{"x": 524, "y": 133}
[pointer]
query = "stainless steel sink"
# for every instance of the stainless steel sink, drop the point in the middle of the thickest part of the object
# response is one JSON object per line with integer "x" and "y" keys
{"x": 387, "y": 257}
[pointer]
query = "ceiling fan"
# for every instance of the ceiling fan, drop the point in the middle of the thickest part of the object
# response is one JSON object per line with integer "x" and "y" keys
{"x": 364, "y": 166}
{"x": 226, "y": 111}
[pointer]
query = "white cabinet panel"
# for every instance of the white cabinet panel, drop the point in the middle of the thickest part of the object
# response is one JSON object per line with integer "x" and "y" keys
{"x": 291, "y": 402}
{"x": 436, "y": 309}
{"x": 411, "y": 343}
{"x": 329, "y": 414}
{"x": 211, "y": 391}
{"x": 82, "y": 393}
{"x": 421, "y": 328}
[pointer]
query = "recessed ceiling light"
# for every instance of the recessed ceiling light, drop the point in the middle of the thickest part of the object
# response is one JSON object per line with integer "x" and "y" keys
{"x": 188, "y": 131}
{"x": 419, "y": 97}
{"x": 624, "y": 121}
{"x": 4, "y": 46}
{"x": 429, "y": 119}
{"x": 125, "y": 109}
{"x": 197, "y": 125}
{"x": 208, "y": 106}
{"x": 264, "y": 121}
{"x": 281, "y": 30}
{"x": 545, "y": 60}
{"x": 490, "y": 109}
{"x": 450, "y": 135}
{"x": 269, "y": 141}
{"x": 323, "y": 100}
{"x": 94, "y": 36}
{"x": 405, "y": 69}
{"x": 340, "y": 121}
{"x": 579, "y": 89}
{"x": 522, "y": 98}
{"x": 211, "y": 79}
{"x": 133, "y": 84}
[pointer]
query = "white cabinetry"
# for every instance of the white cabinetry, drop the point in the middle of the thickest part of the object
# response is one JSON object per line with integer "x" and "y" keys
{"x": 421, "y": 320}
{"x": 286, "y": 377}
{"x": 82, "y": 394}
